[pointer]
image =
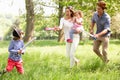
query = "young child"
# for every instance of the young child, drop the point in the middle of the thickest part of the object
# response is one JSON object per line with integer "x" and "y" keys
{"x": 77, "y": 25}
{"x": 15, "y": 52}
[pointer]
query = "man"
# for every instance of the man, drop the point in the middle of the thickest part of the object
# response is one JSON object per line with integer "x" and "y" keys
{"x": 102, "y": 21}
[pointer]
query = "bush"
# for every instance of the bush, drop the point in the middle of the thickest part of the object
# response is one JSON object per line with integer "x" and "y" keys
{"x": 46, "y": 35}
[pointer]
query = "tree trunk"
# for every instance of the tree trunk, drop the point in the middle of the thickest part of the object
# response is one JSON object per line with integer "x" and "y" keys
{"x": 61, "y": 33}
{"x": 29, "y": 20}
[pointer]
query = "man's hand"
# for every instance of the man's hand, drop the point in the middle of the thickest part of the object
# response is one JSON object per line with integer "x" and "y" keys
{"x": 96, "y": 35}
{"x": 91, "y": 32}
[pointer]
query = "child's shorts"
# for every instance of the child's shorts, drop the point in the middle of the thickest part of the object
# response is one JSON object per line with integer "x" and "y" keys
{"x": 18, "y": 64}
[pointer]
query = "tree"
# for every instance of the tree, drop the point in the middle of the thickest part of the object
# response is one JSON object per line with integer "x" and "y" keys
{"x": 29, "y": 20}
{"x": 86, "y": 6}
{"x": 61, "y": 34}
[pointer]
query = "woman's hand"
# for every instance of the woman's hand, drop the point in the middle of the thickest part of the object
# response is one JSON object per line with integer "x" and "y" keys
{"x": 56, "y": 29}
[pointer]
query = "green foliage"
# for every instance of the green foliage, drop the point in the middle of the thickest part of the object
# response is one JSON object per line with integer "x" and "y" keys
{"x": 6, "y": 21}
{"x": 42, "y": 21}
{"x": 46, "y": 35}
{"x": 115, "y": 25}
{"x": 86, "y": 6}
{"x": 89, "y": 6}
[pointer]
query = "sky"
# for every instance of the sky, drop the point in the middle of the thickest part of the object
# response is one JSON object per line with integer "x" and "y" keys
{"x": 13, "y": 7}
{"x": 16, "y": 7}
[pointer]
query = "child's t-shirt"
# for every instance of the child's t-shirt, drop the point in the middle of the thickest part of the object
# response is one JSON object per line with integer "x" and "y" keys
{"x": 14, "y": 46}
{"x": 78, "y": 20}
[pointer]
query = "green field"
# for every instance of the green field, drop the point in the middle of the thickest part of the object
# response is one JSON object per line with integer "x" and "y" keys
{"x": 46, "y": 60}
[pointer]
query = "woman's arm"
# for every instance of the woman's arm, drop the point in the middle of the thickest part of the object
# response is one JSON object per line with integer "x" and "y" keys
{"x": 61, "y": 25}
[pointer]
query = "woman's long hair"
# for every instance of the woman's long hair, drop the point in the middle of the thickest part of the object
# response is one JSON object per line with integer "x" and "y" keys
{"x": 71, "y": 10}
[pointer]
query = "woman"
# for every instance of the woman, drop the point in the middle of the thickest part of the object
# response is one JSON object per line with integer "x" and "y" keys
{"x": 67, "y": 23}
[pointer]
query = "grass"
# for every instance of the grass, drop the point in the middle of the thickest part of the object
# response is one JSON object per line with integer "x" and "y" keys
{"x": 46, "y": 60}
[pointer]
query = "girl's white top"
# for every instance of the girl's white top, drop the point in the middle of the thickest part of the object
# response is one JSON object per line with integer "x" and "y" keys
{"x": 67, "y": 26}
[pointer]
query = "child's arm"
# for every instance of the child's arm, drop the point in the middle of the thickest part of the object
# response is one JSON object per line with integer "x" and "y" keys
{"x": 81, "y": 29}
{"x": 79, "y": 21}
{"x": 10, "y": 49}
{"x": 21, "y": 51}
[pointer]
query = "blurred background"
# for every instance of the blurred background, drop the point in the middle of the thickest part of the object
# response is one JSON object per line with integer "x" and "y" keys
{"x": 32, "y": 16}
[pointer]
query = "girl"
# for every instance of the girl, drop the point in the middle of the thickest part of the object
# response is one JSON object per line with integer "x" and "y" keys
{"x": 77, "y": 25}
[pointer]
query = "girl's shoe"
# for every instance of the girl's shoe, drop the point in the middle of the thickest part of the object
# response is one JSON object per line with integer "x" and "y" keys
{"x": 69, "y": 40}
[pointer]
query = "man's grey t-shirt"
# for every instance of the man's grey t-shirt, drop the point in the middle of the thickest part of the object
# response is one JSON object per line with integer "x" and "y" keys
{"x": 102, "y": 23}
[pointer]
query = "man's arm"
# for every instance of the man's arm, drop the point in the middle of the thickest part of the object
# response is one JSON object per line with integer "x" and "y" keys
{"x": 101, "y": 33}
{"x": 92, "y": 27}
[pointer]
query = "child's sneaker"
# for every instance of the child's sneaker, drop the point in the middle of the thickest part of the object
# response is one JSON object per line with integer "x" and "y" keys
{"x": 69, "y": 40}
{"x": 3, "y": 72}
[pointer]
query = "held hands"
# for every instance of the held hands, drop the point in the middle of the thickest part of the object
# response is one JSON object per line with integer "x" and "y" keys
{"x": 56, "y": 28}
{"x": 95, "y": 36}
